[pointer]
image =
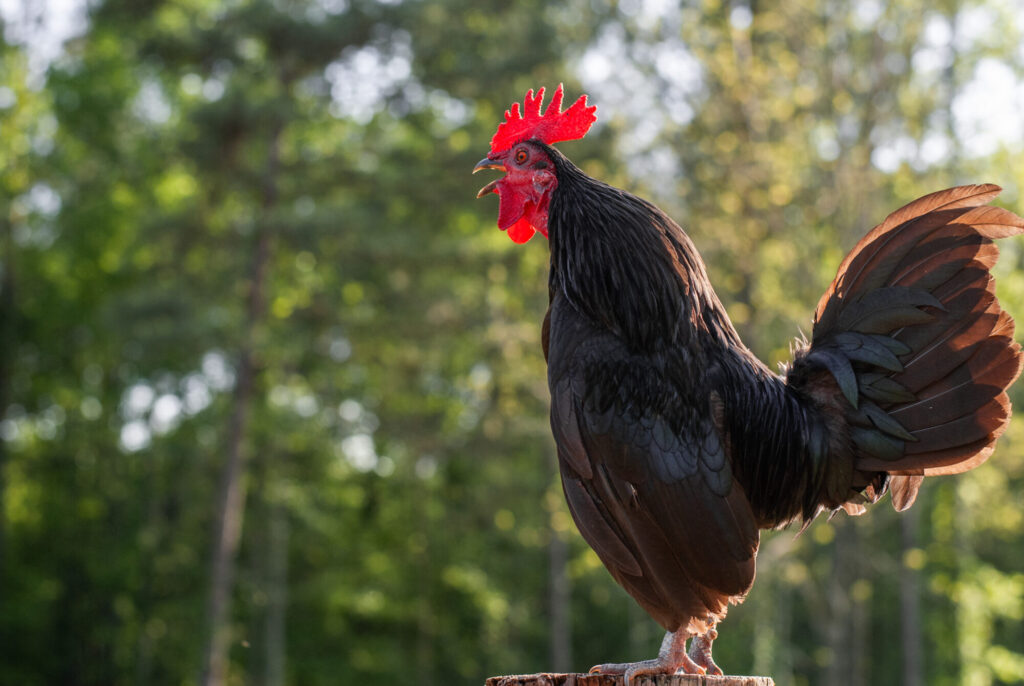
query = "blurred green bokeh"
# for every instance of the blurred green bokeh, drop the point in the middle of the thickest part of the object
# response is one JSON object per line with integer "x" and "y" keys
{"x": 248, "y": 227}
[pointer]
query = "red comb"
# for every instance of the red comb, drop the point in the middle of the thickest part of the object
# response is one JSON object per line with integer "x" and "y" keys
{"x": 551, "y": 127}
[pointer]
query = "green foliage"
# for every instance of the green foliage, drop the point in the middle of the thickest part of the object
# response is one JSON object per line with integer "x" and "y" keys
{"x": 402, "y": 497}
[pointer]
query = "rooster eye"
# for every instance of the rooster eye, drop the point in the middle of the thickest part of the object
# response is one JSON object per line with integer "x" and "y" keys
{"x": 520, "y": 156}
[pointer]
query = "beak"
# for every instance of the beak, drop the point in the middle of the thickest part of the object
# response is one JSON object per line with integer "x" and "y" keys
{"x": 487, "y": 163}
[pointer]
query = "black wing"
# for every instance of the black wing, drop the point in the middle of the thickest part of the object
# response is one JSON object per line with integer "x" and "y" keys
{"x": 646, "y": 475}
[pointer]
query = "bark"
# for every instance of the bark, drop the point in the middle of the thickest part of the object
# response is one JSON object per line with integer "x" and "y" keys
{"x": 546, "y": 679}
{"x": 231, "y": 494}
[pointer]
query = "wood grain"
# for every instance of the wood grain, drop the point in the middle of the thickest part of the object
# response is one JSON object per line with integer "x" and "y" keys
{"x": 546, "y": 679}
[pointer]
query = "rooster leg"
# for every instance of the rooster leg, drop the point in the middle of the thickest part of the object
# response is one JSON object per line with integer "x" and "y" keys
{"x": 672, "y": 659}
{"x": 700, "y": 651}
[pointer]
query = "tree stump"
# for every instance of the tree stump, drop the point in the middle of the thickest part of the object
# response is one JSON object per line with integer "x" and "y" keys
{"x": 545, "y": 679}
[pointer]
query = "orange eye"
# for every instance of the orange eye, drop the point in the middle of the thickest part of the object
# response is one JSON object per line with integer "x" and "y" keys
{"x": 521, "y": 156}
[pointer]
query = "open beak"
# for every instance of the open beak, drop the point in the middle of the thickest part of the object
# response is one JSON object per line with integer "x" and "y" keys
{"x": 487, "y": 163}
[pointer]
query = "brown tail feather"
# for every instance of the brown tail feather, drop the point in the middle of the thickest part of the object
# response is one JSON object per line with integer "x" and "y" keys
{"x": 895, "y": 223}
{"x": 958, "y": 456}
{"x": 956, "y": 432}
{"x": 951, "y": 256}
{"x": 993, "y": 222}
{"x": 904, "y": 490}
{"x": 972, "y": 384}
{"x": 956, "y": 362}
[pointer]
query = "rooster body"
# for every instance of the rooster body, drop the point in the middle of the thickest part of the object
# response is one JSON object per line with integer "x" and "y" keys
{"x": 676, "y": 445}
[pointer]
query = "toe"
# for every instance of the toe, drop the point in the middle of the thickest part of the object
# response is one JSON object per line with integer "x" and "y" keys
{"x": 688, "y": 666}
{"x": 608, "y": 668}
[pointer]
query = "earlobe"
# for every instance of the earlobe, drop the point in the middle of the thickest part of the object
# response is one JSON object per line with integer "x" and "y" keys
{"x": 542, "y": 182}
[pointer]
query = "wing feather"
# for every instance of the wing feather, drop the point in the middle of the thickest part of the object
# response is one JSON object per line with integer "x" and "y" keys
{"x": 648, "y": 480}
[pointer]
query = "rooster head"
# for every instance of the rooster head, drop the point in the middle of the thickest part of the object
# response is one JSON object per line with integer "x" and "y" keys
{"x": 525, "y": 191}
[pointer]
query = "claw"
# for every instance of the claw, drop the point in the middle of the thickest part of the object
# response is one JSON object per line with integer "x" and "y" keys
{"x": 700, "y": 652}
{"x": 672, "y": 659}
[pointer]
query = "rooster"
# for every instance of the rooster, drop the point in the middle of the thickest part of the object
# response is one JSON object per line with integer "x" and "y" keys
{"x": 676, "y": 445}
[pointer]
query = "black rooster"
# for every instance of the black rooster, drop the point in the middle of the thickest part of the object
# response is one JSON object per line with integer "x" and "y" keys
{"x": 676, "y": 444}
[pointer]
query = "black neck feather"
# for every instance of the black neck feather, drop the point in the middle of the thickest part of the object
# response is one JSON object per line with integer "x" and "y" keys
{"x": 627, "y": 266}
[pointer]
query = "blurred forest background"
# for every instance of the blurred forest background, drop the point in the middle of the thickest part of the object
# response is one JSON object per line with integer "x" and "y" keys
{"x": 274, "y": 409}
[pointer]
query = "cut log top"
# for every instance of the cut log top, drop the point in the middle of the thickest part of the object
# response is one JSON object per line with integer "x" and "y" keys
{"x": 609, "y": 680}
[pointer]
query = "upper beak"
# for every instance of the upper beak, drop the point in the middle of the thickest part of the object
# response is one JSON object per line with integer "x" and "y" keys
{"x": 487, "y": 163}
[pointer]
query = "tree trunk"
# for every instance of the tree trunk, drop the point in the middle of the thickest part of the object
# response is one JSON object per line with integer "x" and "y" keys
{"x": 644, "y": 634}
{"x": 771, "y": 649}
{"x": 546, "y": 679}
{"x": 425, "y": 653}
{"x": 7, "y": 343}
{"x": 910, "y": 604}
{"x": 558, "y": 600}
{"x": 277, "y": 596}
{"x": 559, "y": 594}
{"x": 839, "y": 634}
{"x": 231, "y": 495}
{"x": 859, "y": 618}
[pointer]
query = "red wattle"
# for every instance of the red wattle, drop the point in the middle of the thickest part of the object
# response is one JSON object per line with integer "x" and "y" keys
{"x": 518, "y": 212}
{"x": 511, "y": 206}
{"x": 521, "y": 231}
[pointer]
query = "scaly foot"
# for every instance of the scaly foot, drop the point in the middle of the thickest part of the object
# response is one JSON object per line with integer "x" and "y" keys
{"x": 700, "y": 652}
{"x": 672, "y": 659}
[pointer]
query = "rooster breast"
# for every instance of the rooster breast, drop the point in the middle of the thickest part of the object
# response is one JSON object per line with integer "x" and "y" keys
{"x": 645, "y": 472}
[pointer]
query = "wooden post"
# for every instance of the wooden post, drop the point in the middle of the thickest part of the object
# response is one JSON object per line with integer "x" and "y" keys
{"x": 545, "y": 679}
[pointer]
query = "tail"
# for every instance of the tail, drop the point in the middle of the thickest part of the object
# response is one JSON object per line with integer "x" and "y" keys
{"x": 912, "y": 335}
